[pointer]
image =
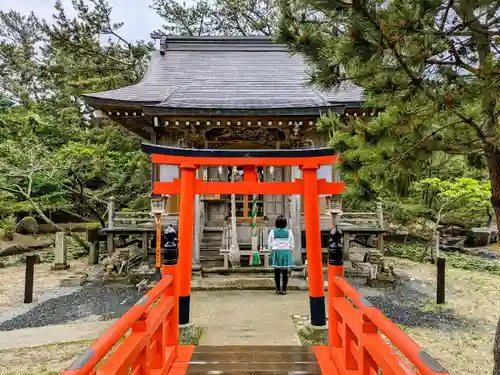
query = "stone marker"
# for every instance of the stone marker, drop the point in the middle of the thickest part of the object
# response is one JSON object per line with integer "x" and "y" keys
{"x": 60, "y": 262}
{"x": 94, "y": 253}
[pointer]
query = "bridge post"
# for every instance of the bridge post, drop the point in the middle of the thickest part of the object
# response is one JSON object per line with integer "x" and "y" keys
{"x": 313, "y": 246}
{"x": 335, "y": 269}
{"x": 169, "y": 267}
{"x": 186, "y": 224}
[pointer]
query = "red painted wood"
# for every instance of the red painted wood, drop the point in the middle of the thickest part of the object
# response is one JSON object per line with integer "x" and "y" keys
{"x": 217, "y": 161}
{"x": 247, "y": 188}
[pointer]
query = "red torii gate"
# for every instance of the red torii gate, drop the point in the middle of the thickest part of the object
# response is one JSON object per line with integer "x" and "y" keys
{"x": 188, "y": 160}
{"x": 145, "y": 340}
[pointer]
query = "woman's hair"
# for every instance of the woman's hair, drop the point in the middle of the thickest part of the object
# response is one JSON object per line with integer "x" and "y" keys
{"x": 281, "y": 222}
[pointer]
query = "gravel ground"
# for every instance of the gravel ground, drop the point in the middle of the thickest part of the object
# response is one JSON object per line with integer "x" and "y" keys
{"x": 85, "y": 303}
{"x": 46, "y": 286}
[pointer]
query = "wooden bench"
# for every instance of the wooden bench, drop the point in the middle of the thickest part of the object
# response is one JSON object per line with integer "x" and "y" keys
{"x": 264, "y": 252}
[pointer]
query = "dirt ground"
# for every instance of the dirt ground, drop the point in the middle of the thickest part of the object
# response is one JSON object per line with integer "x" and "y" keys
{"x": 473, "y": 298}
{"x": 42, "y": 360}
{"x": 45, "y": 280}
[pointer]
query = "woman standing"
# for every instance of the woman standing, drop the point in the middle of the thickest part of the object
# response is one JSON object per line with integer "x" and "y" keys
{"x": 280, "y": 242}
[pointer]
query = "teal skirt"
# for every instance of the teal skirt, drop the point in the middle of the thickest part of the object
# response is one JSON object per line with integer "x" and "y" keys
{"x": 281, "y": 259}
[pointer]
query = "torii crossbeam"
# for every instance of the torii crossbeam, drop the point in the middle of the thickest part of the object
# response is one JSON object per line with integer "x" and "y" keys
{"x": 187, "y": 186}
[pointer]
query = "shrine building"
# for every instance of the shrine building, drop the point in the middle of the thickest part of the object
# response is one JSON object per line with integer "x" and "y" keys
{"x": 230, "y": 93}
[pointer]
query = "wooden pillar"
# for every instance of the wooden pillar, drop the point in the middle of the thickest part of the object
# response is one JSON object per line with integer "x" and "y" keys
{"x": 110, "y": 244}
{"x": 295, "y": 216}
{"x": 197, "y": 228}
{"x": 94, "y": 253}
{"x": 153, "y": 166}
{"x": 186, "y": 223}
{"x": 313, "y": 247}
{"x": 347, "y": 238}
{"x": 111, "y": 212}
{"x": 250, "y": 175}
{"x": 144, "y": 247}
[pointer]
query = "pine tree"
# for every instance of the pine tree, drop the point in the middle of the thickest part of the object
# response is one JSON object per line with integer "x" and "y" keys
{"x": 432, "y": 66}
{"x": 219, "y": 17}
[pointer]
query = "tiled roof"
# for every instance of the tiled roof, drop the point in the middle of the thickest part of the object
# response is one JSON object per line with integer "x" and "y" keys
{"x": 227, "y": 73}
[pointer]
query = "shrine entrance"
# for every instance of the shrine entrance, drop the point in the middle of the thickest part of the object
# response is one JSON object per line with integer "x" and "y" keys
{"x": 244, "y": 204}
{"x": 250, "y": 165}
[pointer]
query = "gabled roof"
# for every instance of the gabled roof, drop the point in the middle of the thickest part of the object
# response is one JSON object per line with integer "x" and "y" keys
{"x": 226, "y": 74}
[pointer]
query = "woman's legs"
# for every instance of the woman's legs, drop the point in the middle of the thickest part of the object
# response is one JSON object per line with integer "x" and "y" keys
{"x": 285, "y": 279}
{"x": 277, "y": 279}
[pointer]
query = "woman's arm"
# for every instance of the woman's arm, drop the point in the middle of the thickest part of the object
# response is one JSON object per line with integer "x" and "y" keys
{"x": 290, "y": 240}
{"x": 270, "y": 239}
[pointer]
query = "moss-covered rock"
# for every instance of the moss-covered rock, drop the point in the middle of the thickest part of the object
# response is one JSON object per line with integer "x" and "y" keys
{"x": 27, "y": 225}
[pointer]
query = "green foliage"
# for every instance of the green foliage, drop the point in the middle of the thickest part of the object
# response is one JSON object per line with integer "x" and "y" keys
{"x": 446, "y": 197}
{"x": 54, "y": 154}
{"x": 8, "y": 227}
{"x": 426, "y": 64}
{"x": 462, "y": 261}
{"x": 219, "y": 17}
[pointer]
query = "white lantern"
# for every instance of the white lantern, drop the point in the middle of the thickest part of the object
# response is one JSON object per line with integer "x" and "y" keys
{"x": 168, "y": 172}
{"x": 157, "y": 205}
{"x": 325, "y": 172}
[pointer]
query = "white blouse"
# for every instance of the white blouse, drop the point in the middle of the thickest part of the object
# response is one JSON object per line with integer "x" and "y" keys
{"x": 280, "y": 243}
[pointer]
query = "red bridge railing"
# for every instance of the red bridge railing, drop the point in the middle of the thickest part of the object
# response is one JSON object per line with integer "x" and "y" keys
{"x": 143, "y": 341}
{"x": 356, "y": 336}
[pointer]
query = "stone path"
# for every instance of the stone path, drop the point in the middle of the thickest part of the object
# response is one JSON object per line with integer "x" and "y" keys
{"x": 54, "y": 334}
{"x": 248, "y": 317}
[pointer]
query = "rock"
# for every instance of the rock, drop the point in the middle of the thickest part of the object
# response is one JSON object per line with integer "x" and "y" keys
{"x": 451, "y": 241}
{"x": 485, "y": 253}
{"x": 27, "y": 225}
{"x": 296, "y": 317}
{"x": 452, "y": 249}
{"x": 453, "y": 231}
{"x": 74, "y": 280}
{"x": 477, "y": 237}
{"x": 400, "y": 236}
{"x": 305, "y": 331}
{"x": 2, "y": 265}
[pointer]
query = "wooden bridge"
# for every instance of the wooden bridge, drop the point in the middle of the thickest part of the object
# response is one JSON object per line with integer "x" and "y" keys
{"x": 361, "y": 341}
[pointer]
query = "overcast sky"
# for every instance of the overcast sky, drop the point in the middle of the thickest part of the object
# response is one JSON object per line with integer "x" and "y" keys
{"x": 139, "y": 19}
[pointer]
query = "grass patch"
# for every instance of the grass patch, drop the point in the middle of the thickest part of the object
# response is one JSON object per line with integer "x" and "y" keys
{"x": 309, "y": 337}
{"x": 455, "y": 260}
{"x": 190, "y": 336}
{"x": 38, "y": 371}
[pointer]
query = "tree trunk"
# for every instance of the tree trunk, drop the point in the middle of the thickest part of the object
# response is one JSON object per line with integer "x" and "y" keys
{"x": 496, "y": 351}
{"x": 82, "y": 243}
{"x": 494, "y": 170}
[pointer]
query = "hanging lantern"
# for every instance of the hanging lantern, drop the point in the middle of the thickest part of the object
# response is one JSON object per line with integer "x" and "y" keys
{"x": 157, "y": 205}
